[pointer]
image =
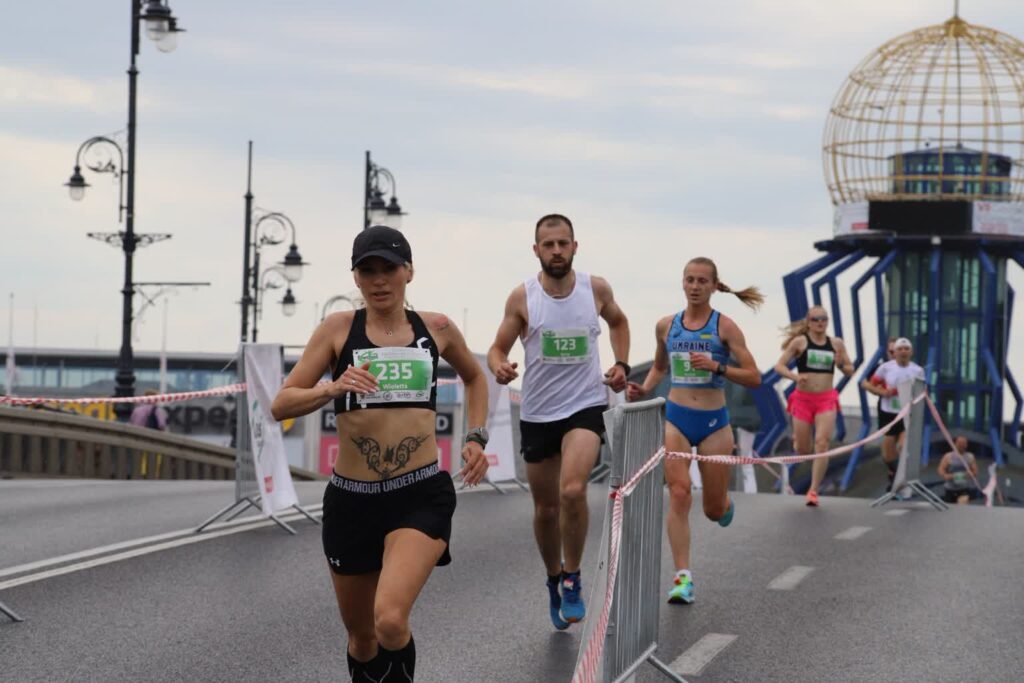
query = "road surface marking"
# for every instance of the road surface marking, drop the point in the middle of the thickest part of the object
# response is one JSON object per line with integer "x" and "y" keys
{"x": 163, "y": 541}
{"x": 122, "y": 545}
{"x": 700, "y": 654}
{"x": 896, "y": 513}
{"x": 853, "y": 533}
{"x": 110, "y": 559}
{"x": 788, "y": 580}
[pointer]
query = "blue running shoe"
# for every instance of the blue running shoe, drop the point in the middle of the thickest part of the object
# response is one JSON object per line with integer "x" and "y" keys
{"x": 573, "y": 609}
{"x": 726, "y": 519}
{"x": 681, "y": 592}
{"x": 555, "y": 605}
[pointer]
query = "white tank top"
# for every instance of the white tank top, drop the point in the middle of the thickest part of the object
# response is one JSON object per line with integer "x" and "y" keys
{"x": 563, "y": 368}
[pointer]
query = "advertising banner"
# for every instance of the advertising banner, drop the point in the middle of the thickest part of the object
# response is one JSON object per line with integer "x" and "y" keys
{"x": 850, "y": 218}
{"x": 998, "y": 218}
{"x": 263, "y": 375}
{"x": 500, "y": 449}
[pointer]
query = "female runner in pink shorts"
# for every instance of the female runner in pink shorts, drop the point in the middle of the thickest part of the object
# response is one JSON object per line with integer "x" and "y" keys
{"x": 814, "y": 402}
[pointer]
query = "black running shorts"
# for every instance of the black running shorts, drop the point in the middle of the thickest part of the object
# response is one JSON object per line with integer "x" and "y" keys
{"x": 543, "y": 440}
{"x": 358, "y": 515}
{"x": 885, "y": 418}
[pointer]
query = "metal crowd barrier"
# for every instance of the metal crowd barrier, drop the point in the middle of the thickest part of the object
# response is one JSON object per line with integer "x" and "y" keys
{"x": 635, "y": 433}
{"x": 908, "y": 473}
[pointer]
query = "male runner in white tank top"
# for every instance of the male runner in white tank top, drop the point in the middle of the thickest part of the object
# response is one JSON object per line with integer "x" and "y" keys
{"x": 555, "y": 315}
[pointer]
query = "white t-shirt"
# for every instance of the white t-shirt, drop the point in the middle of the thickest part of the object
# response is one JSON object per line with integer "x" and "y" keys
{"x": 894, "y": 374}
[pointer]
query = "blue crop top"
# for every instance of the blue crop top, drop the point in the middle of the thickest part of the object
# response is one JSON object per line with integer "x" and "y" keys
{"x": 681, "y": 342}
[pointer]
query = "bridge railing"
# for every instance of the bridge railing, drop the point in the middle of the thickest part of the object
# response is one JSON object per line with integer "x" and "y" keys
{"x": 44, "y": 443}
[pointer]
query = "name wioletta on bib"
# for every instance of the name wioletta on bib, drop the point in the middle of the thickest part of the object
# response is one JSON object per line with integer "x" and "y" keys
{"x": 403, "y": 373}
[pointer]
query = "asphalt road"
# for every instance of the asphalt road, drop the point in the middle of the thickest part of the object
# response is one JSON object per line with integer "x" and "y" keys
{"x": 922, "y": 595}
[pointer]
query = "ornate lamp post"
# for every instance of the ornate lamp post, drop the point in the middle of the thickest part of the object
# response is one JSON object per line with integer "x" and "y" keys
{"x": 270, "y": 229}
{"x": 162, "y": 27}
{"x": 378, "y": 182}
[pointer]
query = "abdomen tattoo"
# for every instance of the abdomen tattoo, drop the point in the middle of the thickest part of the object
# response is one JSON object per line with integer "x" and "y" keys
{"x": 393, "y": 458}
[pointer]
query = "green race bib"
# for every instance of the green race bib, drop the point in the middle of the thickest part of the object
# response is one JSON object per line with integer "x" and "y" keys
{"x": 565, "y": 347}
{"x": 403, "y": 373}
{"x": 818, "y": 359}
{"x": 684, "y": 373}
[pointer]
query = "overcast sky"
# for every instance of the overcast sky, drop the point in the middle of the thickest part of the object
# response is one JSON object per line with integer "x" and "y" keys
{"x": 666, "y": 130}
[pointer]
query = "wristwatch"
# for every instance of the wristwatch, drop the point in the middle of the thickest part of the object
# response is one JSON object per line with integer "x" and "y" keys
{"x": 720, "y": 370}
{"x": 624, "y": 365}
{"x": 477, "y": 435}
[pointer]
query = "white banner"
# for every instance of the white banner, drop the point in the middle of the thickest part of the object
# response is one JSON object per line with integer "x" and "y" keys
{"x": 850, "y": 218}
{"x": 745, "y": 442}
{"x": 500, "y": 451}
{"x": 998, "y": 218}
{"x": 263, "y": 373}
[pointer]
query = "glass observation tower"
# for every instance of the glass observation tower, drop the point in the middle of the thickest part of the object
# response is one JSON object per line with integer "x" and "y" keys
{"x": 924, "y": 161}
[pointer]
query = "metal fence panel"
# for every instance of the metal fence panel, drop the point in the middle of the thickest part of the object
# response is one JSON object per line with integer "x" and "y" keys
{"x": 637, "y": 434}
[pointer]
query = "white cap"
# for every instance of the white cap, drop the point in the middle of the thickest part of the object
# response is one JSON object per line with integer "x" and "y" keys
{"x": 901, "y": 342}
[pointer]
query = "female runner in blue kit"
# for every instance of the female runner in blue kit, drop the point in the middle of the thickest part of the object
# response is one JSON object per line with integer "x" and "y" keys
{"x": 695, "y": 346}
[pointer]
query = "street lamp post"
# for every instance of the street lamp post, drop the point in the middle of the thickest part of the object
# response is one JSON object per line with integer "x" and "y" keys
{"x": 288, "y": 301}
{"x": 378, "y": 181}
{"x": 271, "y": 228}
{"x": 161, "y": 26}
{"x": 354, "y": 300}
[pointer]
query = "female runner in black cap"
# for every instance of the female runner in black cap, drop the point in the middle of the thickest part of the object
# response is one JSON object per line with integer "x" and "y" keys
{"x": 388, "y": 508}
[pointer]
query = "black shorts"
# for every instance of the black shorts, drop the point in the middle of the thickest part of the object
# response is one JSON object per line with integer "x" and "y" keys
{"x": 885, "y": 418}
{"x": 358, "y": 515}
{"x": 951, "y": 495}
{"x": 543, "y": 440}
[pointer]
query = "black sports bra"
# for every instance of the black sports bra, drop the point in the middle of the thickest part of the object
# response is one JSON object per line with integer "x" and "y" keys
{"x": 388, "y": 396}
{"x": 817, "y": 357}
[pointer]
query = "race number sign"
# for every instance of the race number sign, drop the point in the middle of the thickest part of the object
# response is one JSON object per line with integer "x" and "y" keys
{"x": 403, "y": 373}
{"x": 566, "y": 346}
{"x": 818, "y": 359}
{"x": 683, "y": 371}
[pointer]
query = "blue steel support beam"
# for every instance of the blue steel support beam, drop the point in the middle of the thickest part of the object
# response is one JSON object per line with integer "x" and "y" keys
{"x": 794, "y": 284}
{"x": 1015, "y": 390}
{"x": 880, "y": 267}
{"x": 934, "y": 339}
{"x": 988, "y": 318}
{"x": 1015, "y": 429}
{"x": 1011, "y": 383}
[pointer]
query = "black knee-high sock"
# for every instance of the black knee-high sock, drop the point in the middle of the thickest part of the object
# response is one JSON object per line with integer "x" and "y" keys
{"x": 363, "y": 672}
{"x": 402, "y": 663}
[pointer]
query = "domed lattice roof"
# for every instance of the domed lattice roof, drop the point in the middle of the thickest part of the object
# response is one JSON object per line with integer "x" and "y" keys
{"x": 936, "y": 113}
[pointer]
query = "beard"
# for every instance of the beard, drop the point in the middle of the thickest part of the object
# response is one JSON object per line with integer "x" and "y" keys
{"x": 559, "y": 270}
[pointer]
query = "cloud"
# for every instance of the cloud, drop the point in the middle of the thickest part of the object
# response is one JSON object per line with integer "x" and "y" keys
{"x": 35, "y": 88}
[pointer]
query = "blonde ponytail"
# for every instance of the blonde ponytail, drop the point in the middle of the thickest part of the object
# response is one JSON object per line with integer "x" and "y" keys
{"x": 751, "y": 296}
{"x": 797, "y": 328}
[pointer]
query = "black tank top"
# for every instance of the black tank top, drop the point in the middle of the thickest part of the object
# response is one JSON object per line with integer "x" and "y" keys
{"x": 357, "y": 339}
{"x": 817, "y": 357}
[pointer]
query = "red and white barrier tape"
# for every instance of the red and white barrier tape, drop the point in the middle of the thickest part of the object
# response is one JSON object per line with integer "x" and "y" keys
{"x": 790, "y": 459}
{"x": 156, "y": 398}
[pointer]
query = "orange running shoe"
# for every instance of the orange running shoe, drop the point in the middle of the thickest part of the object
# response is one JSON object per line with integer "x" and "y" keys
{"x": 812, "y": 499}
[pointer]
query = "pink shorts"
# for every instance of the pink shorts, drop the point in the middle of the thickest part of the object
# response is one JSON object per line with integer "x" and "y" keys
{"x": 804, "y": 405}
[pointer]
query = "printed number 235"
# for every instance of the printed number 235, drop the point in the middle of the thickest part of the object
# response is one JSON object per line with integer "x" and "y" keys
{"x": 399, "y": 370}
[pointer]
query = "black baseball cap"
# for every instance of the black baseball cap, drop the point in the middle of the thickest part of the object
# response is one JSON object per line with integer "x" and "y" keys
{"x": 380, "y": 240}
